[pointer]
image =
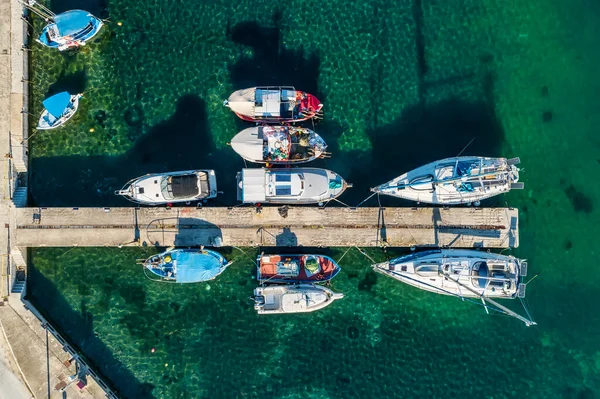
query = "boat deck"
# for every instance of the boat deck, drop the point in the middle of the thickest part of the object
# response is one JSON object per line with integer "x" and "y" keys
{"x": 273, "y": 226}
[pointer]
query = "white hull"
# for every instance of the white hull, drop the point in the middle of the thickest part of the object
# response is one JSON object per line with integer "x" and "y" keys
{"x": 48, "y": 121}
{"x": 453, "y": 181}
{"x": 458, "y": 272}
{"x": 171, "y": 187}
{"x": 302, "y": 298}
{"x": 289, "y": 186}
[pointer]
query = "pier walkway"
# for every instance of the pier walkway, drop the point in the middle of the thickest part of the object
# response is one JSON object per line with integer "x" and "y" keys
{"x": 272, "y": 226}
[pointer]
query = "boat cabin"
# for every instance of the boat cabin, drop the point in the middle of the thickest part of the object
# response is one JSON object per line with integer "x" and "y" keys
{"x": 275, "y": 102}
{"x": 184, "y": 186}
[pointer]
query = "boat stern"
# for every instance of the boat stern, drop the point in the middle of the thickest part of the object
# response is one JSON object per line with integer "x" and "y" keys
{"x": 212, "y": 183}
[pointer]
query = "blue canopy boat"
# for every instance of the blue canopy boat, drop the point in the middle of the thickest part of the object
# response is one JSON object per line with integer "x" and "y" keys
{"x": 58, "y": 109}
{"x": 70, "y": 29}
{"x": 187, "y": 265}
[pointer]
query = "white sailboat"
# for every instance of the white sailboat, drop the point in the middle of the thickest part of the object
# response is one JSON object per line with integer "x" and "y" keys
{"x": 301, "y": 298}
{"x": 458, "y": 180}
{"x": 463, "y": 273}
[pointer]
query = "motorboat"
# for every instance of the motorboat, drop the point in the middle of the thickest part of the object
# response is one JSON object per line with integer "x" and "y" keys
{"x": 58, "y": 109}
{"x": 274, "y": 104}
{"x": 295, "y": 268}
{"x": 70, "y": 29}
{"x": 172, "y": 187}
{"x": 300, "y": 298}
{"x": 460, "y": 272}
{"x": 289, "y": 186}
{"x": 186, "y": 265}
{"x": 452, "y": 181}
{"x": 276, "y": 144}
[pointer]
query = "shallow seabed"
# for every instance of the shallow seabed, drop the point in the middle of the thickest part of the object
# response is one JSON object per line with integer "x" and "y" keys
{"x": 404, "y": 83}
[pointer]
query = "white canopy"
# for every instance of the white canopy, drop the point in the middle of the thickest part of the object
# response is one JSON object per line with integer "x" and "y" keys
{"x": 242, "y": 101}
{"x": 249, "y": 144}
{"x": 253, "y": 185}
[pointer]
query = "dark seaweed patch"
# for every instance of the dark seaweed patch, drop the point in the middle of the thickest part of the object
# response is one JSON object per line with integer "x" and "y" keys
{"x": 580, "y": 201}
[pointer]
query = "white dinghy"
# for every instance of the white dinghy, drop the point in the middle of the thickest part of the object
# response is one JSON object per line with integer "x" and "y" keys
{"x": 289, "y": 186}
{"x": 463, "y": 273}
{"x": 171, "y": 187}
{"x": 452, "y": 181}
{"x": 302, "y": 298}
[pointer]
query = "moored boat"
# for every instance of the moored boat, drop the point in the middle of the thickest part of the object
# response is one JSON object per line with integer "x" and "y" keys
{"x": 289, "y": 186}
{"x": 300, "y": 298}
{"x": 58, "y": 109}
{"x": 186, "y": 265}
{"x": 274, "y": 104}
{"x": 452, "y": 181}
{"x": 295, "y": 268}
{"x": 70, "y": 29}
{"x": 460, "y": 272}
{"x": 171, "y": 187}
{"x": 278, "y": 144}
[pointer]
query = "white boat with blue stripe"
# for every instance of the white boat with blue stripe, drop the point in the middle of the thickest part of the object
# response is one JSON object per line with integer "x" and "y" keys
{"x": 186, "y": 265}
{"x": 453, "y": 181}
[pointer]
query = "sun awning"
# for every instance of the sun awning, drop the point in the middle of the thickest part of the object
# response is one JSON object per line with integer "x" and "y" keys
{"x": 57, "y": 104}
{"x": 71, "y": 22}
{"x": 193, "y": 267}
{"x": 253, "y": 185}
{"x": 242, "y": 102}
{"x": 249, "y": 143}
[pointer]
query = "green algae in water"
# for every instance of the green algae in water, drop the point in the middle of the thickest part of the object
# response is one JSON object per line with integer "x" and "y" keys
{"x": 403, "y": 83}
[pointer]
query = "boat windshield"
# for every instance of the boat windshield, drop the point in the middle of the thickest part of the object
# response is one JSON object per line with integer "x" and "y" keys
{"x": 182, "y": 186}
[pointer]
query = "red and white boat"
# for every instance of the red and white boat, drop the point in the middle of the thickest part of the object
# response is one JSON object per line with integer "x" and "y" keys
{"x": 296, "y": 268}
{"x": 274, "y": 104}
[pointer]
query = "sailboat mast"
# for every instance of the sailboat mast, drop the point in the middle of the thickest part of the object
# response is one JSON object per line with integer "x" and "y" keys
{"x": 496, "y": 304}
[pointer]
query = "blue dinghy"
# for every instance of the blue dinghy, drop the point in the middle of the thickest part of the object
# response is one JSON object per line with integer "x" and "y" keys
{"x": 187, "y": 265}
{"x": 58, "y": 109}
{"x": 70, "y": 29}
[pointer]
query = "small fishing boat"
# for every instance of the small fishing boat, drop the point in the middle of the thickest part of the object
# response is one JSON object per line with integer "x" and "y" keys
{"x": 171, "y": 187}
{"x": 278, "y": 144}
{"x": 289, "y": 186}
{"x": 70, "y": 29}
{"x": 301, "y": 298}
{"x": 296, "y": 268}
{"x": 274, "y": 104}
{"x": 463, "y": 272}
{"x": 186, "y": 265}
{"x": 466, "y": 274}
{"x": 58, "y": 109}
{"x": 452, "y": 181}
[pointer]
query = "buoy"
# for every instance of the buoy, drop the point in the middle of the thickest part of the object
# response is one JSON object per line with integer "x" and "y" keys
{"x": 120, "y": 23}
{"x": 166, "y": 364}
{"x": 91, "y": 130}
{"x": 152, "y": 350}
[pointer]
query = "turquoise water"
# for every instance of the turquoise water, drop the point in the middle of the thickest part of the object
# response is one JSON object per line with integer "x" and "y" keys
{"x": 403, "y": 83}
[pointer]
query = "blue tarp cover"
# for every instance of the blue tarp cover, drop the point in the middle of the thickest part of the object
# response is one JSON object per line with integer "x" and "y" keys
{"x": 71, "y": 22}
{"x": 57, "y": 104}
{"x": 196, "y": 266}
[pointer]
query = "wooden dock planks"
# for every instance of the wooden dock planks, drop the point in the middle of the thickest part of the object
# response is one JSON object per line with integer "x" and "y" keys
{"x": 273, "y": 226}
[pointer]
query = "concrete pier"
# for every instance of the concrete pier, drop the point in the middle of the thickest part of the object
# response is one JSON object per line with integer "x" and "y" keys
{"x": 272, "y": 226}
